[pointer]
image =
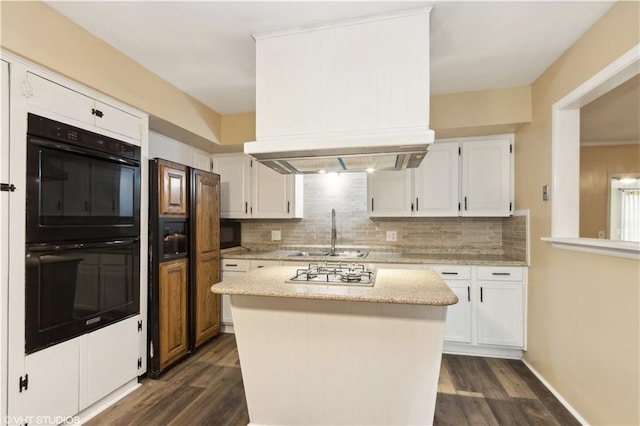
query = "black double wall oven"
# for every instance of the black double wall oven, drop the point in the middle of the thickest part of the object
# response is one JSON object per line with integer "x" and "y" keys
{"x": 83, "y": 232}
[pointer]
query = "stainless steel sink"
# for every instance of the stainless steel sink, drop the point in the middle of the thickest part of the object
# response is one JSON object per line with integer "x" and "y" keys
{"x": 338, "y": 254}
{"x": 349, "y": 254}
{"x": 309, "y": 254}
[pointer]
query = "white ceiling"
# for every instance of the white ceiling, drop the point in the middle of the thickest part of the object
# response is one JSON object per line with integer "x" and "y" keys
{"x": 205, "y": 48}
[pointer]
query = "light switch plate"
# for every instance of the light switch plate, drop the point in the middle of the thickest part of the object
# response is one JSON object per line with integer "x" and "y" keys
{"x": 276, "y": 235}
{"x": 392, "y": 236}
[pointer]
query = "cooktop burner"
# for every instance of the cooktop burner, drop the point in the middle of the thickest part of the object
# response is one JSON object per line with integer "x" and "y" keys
{"x": 336, "y": 274}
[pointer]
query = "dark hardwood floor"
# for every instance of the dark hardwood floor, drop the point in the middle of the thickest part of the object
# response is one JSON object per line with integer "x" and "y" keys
{"x": 206, "y": 389}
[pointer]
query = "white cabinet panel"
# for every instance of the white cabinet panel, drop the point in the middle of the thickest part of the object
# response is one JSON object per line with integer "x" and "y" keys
{"x": 225, "y": 310}
{"x": 458, "y": 326}
{"x": 437, "y": 182}
{"x": 54, "y": 374}
{"x": 500, "y": 314}
{"x": 250, "y": 190}
{"x": 235, "y": 185}
{"x": 487, "y": 177}
{"x": 111, "y": 360}
{"x": 118, "y": 121}
{"x": 53, "y": 97}
{"x": 390, "y": 194}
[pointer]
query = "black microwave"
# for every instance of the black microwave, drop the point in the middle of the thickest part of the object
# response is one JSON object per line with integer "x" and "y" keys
{"x": 230, "y": 234}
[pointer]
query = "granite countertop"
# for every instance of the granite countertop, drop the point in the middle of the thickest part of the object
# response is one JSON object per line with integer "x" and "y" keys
{"x": 415, "y": 287}
{"x": 380, "y": 257}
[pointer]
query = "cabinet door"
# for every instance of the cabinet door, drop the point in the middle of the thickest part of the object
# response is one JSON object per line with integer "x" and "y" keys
{"x": 458, "y": 325}
{"x": 206, "y": 254}
{"x": 272, "y": 193}
{"x": 173, "y": 191}
{"x": 118, "y": 121}
{"x": 60, "y": 100}
{"x": 437, "y": 182}
{"x": 235, "y": 185}
{"x": 54, "y": 374}
{"x": 500, "y": 314}
{"x": 111, "y": 360}
{"x": 174, "y": 340}
{"x": 390, "y": 194}
{"x": 486, "y": 177}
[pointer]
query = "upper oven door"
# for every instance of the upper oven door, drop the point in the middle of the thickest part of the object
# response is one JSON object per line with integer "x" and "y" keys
{"x": 76, "y": 193}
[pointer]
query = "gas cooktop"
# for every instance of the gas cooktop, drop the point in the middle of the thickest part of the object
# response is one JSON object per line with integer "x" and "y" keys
{"x": 335, "y": 274}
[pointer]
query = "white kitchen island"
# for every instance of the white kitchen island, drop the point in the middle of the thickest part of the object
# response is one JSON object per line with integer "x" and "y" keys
{"x": 332, "y": 354}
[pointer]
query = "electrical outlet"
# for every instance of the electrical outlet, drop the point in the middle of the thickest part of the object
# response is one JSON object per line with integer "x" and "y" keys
{"x": 392, "y": 236}
{"x": 276, "y": 235}
{"x": 545, "y": 193}
{"x": 601, "y": 234}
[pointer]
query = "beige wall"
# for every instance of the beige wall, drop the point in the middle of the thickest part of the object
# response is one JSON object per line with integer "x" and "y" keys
{"x": 596, "y": 164}
{"x": 583, "y": 309}
{"x": 35, "y": 31}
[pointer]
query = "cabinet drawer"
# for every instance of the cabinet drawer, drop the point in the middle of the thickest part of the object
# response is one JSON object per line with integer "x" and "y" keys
{"x": 452, "y": 272}
{"x": 257, "y": 264}
{"x": 241, "y": 265}
{"x": 499, "y": 273}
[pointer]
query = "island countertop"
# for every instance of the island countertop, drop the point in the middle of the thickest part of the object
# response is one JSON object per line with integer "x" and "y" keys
{"x": 414, "y": 287}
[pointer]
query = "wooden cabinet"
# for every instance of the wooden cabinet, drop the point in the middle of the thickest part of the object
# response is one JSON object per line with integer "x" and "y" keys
{"x": 487, "y": 176}
{"x": 250, "y": 190}
{"x": 172, "y": 285}
{"x": 206, "y": 255}
{"x": 458, "y": 177}
{"x": 338, "y": 78}
{"x": 65, "y": 102}
{"x": 173, "y": 189}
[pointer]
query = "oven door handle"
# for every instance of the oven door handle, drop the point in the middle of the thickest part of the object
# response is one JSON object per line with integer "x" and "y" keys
{"x": 84, "y": 151}
{"x": 77, "y": 246}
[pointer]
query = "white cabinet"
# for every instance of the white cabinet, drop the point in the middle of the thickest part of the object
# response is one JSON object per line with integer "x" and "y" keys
{"x": 458, "y": 278}
{"x": 436, "y": 181}
{"x": 230, "y": 268}
{"x": 390, "y": 193}
{"x": 249, "y": 189}
{"x": 52, "y": 97}
{"x": 70, "y": 376}
{"x": 338, "y": 79}
{"x": 500, "y": 312}
{"x": 458, "y": 177}
{"x": 487, "y": 176}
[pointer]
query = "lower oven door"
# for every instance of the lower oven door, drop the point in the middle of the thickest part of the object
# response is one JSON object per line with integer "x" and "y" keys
{"x": 75, "y": 288}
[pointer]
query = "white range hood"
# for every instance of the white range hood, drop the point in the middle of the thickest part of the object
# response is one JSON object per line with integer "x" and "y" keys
{"x": 350, "y": 96}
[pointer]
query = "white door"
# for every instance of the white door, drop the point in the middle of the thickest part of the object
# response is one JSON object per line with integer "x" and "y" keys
{"x": 52, "y": 97}
{"x": 4, "y": 225}
{"x": 390, "y": 194}
{"x": 458, "y": 325}
{"x": 486, "y": 177}
{"x": 436, "y": 181}
{"x": 500, "y": 314}
{"x": 271, "y": 193}
{"x": 118, "y": 121}
{"x": 235, "y": 185}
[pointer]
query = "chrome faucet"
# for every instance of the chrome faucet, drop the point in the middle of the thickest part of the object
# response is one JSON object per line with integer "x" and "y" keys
{"x": 333, "y": 231}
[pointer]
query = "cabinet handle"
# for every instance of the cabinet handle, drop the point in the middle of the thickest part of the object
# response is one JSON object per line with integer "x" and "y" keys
{"x": 86, "y": 206}
{"x": 465, "y": 202}
{"x": 59, "y": 205}
{"x": 411, "y": 206}
{"x": 96, "y": 112}
{"x": 480, "y": 294}
{"x": 288, "y": 206}
{"x": 449, "y": 273}
{"x": 501, "y": 273}
{"x": 372, "y": 204}
{"x": 230, "y": 264}
{"x": 417, "y": 205}
{"x": 113, "y": 205}
{"x": 246, "y": 207}
{"x": 468, "y": 294}
{"x": 260, "y": 266}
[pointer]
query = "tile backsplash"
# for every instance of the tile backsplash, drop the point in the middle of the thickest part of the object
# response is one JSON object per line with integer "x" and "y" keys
{"x": 346, "y": 194}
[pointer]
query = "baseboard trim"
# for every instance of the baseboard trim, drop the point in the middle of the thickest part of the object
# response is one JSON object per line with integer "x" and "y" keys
{"x": 106, "y": 402}
{"x": 555, "y": 393}
{"x": 227, "y": 328}
{"x": 487, "y": 351}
